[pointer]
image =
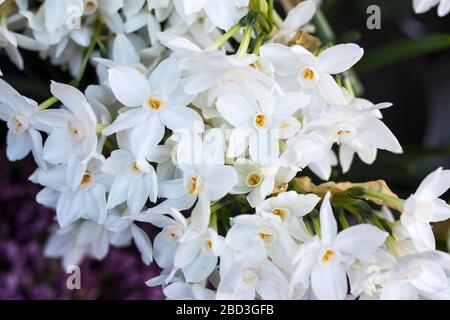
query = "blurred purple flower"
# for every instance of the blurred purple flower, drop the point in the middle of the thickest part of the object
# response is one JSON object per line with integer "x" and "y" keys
{"x": 24, "y": 271}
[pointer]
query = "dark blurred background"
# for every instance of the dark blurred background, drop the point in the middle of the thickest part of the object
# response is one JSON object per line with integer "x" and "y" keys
{"x": 407, "y": 63}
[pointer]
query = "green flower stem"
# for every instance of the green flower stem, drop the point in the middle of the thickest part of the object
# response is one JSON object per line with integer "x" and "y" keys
{"x": 47, "y": 103}
{"x": 224, "y": 38}
{"x": 258, "y": 44}
{"x": 87, "y": 55}
{"x": 324, "y": 31}
{"x": 342, "y": 219}
{"x": 316, "y": 224}
{"x": 245, "y": 43}
{"x": 387, "y": 200}
{"x": 4, "y": 21}
{"x": 277, "y": 19}
{"x": 264, "y": 24}
{"x": 270, "y": 14}
{"x": 213, "y": 220}
{"x": 76, "y": 81}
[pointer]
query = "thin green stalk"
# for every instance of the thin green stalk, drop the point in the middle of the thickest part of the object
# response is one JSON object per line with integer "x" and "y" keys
{"x": 264, "y": 24}
{"x": 47, "y": 103}
{"x": 342, "y": 219}
{"x": 4, "y": 21}
{"x": 277, "y": 19}
{"x": 258, "y": 45}
{"x": 87, "y": 56}
{"x": 224, "y": 38}
{"x": 213, "y": 220}
{"x": 324, "y": 30}
{"x": 270, "y": 14}
{"x": 387, "y": 200}
{"x": 316, "y": 224}
{"x": 76, "y": 81}
{"x": 245, "y": 42}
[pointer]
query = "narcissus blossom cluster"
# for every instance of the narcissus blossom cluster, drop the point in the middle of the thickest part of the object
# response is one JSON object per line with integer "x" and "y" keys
{"x": 202, "y": 121}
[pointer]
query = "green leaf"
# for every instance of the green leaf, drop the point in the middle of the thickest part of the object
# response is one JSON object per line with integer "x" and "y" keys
{"x": 403, "y": 50}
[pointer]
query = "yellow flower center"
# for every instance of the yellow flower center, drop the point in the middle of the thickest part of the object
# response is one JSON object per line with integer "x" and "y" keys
{"x": 308, "y": 74}
{"x": 253, "y": 179}
{"x": 155, "y": 104}
{"x": 328, "y": 255}
{"x": 279, "y": 212}
{"x": 260, "y": 120}
{"x": 86, "y": 180}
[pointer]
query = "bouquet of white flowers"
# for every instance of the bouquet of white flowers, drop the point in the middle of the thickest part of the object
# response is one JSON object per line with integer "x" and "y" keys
{"x": 202, "y": 118}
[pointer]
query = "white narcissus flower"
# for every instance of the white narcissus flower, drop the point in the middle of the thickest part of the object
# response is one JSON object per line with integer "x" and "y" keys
{"x": 87, "y": 200}
{"x": 255, "y": 180}
{"x": 422, "y": 6}
{"x": 153, "y": 104}
{"x": 323, "y": 259}
{"x": 222, "y": 14}
{"x": 418, "y": 276}
{"x": 359, "y": 131}
{"x": 12, "y": 41}
{"x": 197, "y": 253}
{"x": 297, "y": 68}
{"x": 216, "y": 73}
{"x": 203, "y": 182}
{"x": 167, "y": 241}
{"x": 123, "y": 53}
{"x": 259, "y": 125}
{"x": 19, "y": 114}
{"x": 247, "y": 277}
{"x": 267, "y": 234}
{"x": 135, "y": 179}
{"x": 88, "y": 238}
{"x": 290, "y": 207}
{"x": 296, "y": 18}
{"x": 424, "y": 207}
{"x": 72, "y": 132}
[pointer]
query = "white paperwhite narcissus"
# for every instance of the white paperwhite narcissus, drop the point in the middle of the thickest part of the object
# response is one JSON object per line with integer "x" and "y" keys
{"x": 191, "y": 248}
{"x": 19, "y": 114}
{"x": 215, "y": 73}
{"x": 176, "y": 288}
{"x": 72, "y": 132}
{"x": 296, "y": 18}
{"x": 88, "y": 238}
{"x": 322, "y": 260}
{"x": 124, "y": 53}
{"x": 255, "y": 180}
{"x": 135, "y": 179}
{"x": 197, "y": 253}
{"x": 153, "y": 104}
{"x": 359, "y": 131}
{"x": 12, "y": 41}
{"x": 289, "y": 207}
{"x": 418, "y": 276}
{"x": 424, "y": 207}
{"x": 297, "y": 68}
{"x": 258, "y": 125}
{"x": 305, "y": 149}
{"x": 167, "y": 241}
{"x": 422, "y": 6}
{"x": 248, "y": 276}
{"x": 273, "y": 237}
{"x": 87, "y": 200}
{"x": 222, "y": 14}
{"x": 205, "y": 183}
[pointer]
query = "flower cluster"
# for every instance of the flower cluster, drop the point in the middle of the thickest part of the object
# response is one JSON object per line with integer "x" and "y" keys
{"x": 213, "y": 108}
